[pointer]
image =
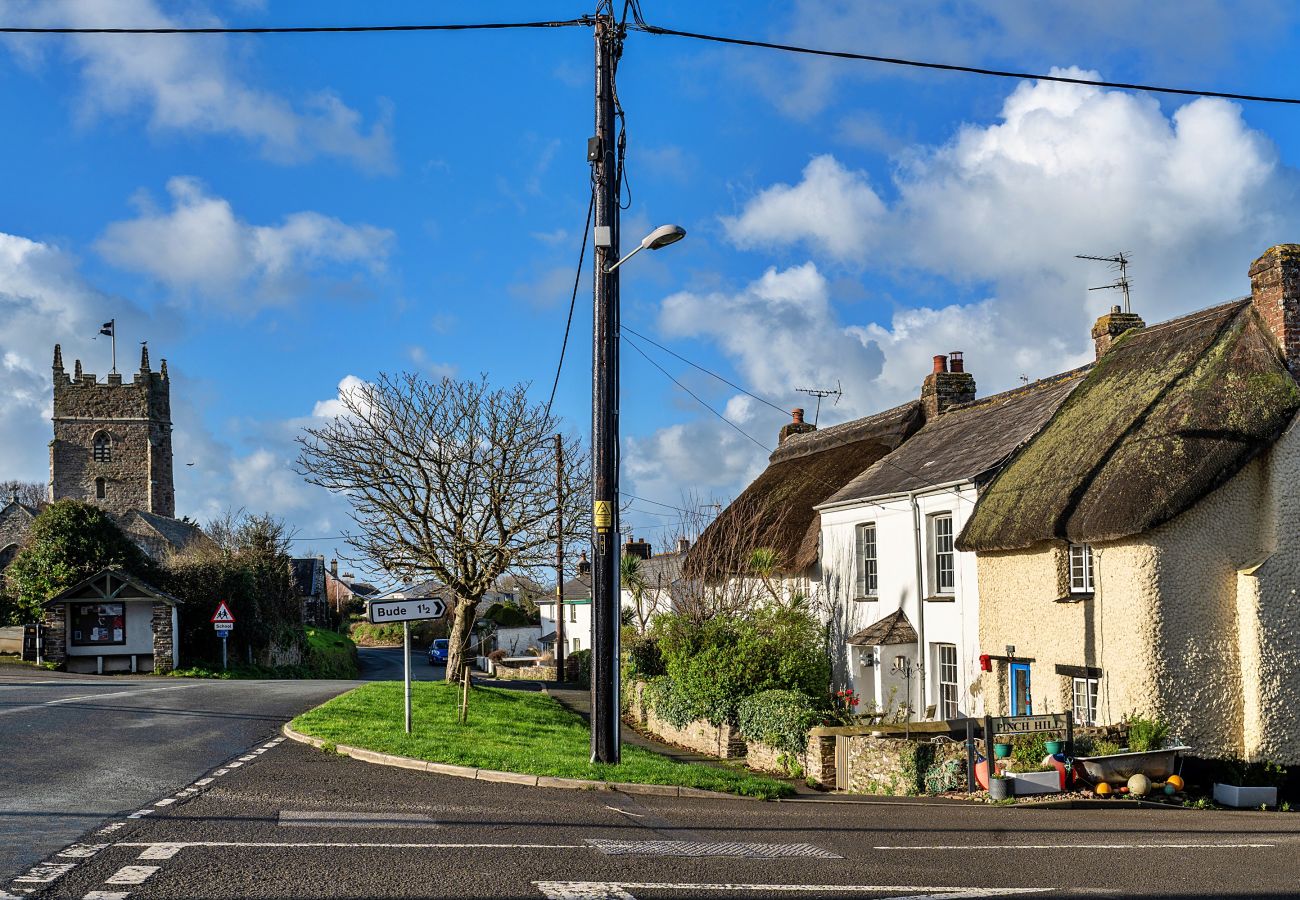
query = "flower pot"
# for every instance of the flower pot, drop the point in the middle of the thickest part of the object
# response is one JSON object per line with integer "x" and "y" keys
{"x": 1244, "y": 797}
{"x": 1001, "y": 751}
{"x": 1055, "y": 747}
{"x": 999, "y": 788}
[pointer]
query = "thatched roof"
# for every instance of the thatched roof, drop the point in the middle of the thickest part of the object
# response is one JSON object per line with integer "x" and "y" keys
{"x": 777, "y": 511}
{"x": 891, "y": 631}
{"x": 967, "y": 442}
{"x": 1162, "y": 419}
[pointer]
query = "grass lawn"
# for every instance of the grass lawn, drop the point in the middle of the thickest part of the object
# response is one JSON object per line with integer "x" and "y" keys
{"x": 509, "y": 731}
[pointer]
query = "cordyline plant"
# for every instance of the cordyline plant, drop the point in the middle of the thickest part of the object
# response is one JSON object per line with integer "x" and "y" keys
{"x": 449, "y": 480}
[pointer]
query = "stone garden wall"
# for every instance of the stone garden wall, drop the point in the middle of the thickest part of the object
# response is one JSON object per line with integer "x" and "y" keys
{"x": 722, "y": 741}
{"x": 895, "y": 766}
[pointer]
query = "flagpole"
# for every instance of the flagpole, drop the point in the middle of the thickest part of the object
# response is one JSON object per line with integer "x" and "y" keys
{"x": 112, "y": 325}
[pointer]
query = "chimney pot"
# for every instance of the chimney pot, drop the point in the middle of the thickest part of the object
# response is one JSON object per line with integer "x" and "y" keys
{"x": 940, "y": 364}
{"x": 683, "y": 545}
{"x": 955, "y": 362}
{"x": 797, "y": 414}
{"x": 1115, "y": 309}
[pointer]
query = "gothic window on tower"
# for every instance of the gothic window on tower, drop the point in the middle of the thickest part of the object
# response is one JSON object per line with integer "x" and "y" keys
{"x": 103, "y": 448}
{"x": 100, "y": 491}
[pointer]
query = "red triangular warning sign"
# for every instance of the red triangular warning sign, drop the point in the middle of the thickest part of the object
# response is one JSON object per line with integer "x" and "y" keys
{"x": 223, "y": 613}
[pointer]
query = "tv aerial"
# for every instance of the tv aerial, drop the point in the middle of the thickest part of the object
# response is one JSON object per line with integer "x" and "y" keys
{"x": 1118, "y": 262}
{"x": 820, "y": 393}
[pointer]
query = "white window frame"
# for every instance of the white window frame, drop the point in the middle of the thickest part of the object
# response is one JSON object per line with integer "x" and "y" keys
{"x": 1085, "y": 693}
{"x": 1081, "y": 571}
{"x": 577, "y": 645}
{"x": 938, "y": 554}
{"x": 573, "y": 612}
{"x": 949, "y": 686}
{"x": 867, "y": 560}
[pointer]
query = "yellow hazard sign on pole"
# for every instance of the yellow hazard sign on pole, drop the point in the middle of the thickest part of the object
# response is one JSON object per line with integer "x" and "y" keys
{"x": 602, "y": 514}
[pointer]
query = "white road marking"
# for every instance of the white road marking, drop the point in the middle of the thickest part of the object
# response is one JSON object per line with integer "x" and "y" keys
{"x": 250, "y": 757}
{"x": 131, "y": 875}
{"x": 624, "y": 812}
{"x": 46, "y": 872}
{"x": 140, "y": 813}
{"x": 233, "y": 765}
{"x": 160, "y": 851}
{"x": 204, "y": 781}
{"x": 218, "y": 773}
{"x": 81, "y": 851}
{"x": 737, "y": 849}
{"x": 349, "y": 819}
{"x": 5, "y": 895}
{"x": 91, "y": 697}
{"x": 619, "y": 890}
{"x": 166, "y": 801}
{"x": 1073, "y": 846}
{"x": 107, "y": 895}
{"x": 109, "y": 829}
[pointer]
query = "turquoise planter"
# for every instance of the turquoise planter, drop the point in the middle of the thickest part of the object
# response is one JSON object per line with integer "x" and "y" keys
{"x": 1055, "y": 747}
{"x": 1001, "y": 751}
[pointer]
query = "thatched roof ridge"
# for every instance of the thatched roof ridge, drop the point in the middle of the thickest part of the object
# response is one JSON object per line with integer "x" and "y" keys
{"x": 778, "y": 509}
{"x": 967, "y": 442}
{"x": 1166, "y": 416}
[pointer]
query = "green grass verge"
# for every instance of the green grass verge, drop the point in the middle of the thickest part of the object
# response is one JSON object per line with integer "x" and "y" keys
{"x": 330, "y": 654}
{"x": 508, "y": 731}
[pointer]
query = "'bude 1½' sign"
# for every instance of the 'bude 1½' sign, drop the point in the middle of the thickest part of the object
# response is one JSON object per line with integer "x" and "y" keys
{"x": 382, "y": 611}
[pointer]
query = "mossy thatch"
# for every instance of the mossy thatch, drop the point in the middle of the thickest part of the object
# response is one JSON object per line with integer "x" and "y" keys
{"x": 777, "y": 510}
{"x": 1165, "y": 417}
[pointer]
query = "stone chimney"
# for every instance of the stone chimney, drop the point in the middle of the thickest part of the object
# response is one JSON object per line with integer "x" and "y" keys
{"x": 683, "y": 545}
{"x": 946, "y": 386}
{"x": 1107, "y": 329}
{"x": 1275, "y": 291}
{"x": 640, "y": 548}
{"x": 796, "y": 425}
{"x": 584, "y": 565}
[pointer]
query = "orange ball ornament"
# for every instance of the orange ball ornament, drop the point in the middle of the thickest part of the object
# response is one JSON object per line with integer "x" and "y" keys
{"x": 1176, "y": 781}
{"x": 1102, "y": 789}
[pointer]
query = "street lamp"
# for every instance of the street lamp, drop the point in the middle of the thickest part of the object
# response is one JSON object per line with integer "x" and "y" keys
{"x": 655, "y": 240}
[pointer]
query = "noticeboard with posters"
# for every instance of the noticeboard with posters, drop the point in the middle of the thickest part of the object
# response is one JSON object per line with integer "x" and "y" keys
{"x": 98, "y": 624}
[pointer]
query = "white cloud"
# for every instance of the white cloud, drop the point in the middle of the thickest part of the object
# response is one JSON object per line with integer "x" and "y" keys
{"x": 999, "y": 210}
{"x": 335, "y": 406}
{"x": 190, "y": 84}
{"x": 200, "y": 245}
{"x": 833, "y": 210}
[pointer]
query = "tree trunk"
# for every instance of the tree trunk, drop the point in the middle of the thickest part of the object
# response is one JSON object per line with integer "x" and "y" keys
{"x": 462, "y": 627}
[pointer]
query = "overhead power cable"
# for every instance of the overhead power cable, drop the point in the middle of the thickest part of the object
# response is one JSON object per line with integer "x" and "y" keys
{"x": 704, "y": 370}
{"x": 573, "y": 300}
{"x": 697, "y": 397}
{"x": 300, "y": 29}
{"x": 950, "y": 67}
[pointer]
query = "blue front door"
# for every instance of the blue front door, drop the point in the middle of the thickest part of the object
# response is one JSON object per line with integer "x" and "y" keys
{"x": 1022, "y": 703}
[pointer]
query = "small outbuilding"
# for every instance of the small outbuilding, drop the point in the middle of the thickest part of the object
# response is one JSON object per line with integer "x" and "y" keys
{"x": 112, "y": 622}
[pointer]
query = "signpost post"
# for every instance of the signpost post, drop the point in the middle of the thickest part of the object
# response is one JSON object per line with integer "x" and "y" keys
{"x": 223, "y": 620}
{"x": 406, "y": 611}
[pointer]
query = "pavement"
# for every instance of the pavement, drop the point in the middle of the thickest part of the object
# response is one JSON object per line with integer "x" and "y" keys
{"x": 289, "y": 820}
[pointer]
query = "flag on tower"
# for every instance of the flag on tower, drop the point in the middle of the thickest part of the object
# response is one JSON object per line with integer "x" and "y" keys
{"x": 108, "y": 328}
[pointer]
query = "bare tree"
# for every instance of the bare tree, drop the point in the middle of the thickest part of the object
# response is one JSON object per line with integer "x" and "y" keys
{"x": 449, "y": 480}
{"x": 28, "y": 493}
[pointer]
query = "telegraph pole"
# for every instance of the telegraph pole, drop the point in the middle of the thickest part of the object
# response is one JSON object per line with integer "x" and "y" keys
{"x": 559, "y": 559}
{"x": 603, "y": 154}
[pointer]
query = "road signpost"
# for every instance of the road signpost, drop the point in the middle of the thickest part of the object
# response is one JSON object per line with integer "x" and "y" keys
{"x": 223, "y": 620}
{"x": 382, "y": 612}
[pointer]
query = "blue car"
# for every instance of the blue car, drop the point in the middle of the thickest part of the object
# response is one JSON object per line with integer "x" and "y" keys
{"x": 438, "y": 652}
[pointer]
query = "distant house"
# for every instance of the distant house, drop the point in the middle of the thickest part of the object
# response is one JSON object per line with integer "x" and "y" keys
{"x": 895, "y": 585}
{"x": 576, "y": 609}
{"x": 661, "y": 575}
{"x": 1142, "y": 553}
{"x": 342, "y": 590}
{"x": 15, "y": 521}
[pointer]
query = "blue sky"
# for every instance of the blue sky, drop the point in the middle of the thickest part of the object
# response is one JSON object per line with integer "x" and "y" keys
{"x": 280, "y": 216}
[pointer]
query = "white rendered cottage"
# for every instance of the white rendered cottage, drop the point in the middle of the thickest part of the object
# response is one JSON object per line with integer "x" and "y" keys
{"x": 902, "y": 598}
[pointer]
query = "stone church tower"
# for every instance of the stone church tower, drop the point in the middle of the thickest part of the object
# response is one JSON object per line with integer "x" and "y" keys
{"x": 112, "y": 440}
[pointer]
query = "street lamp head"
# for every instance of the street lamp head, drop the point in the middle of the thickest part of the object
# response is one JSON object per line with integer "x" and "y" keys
{"x": 663, "y": 236}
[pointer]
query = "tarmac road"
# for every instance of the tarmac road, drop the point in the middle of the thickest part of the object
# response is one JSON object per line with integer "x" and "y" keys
{"x": 289, "y": 820}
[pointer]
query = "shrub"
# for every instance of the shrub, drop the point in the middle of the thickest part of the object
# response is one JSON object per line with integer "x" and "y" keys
{"x": 1028, "y": 750}
{"x": 778, "y": 718}
{"x": 667, "y": 701}
{"x": 1146, "y": 734}
{"x": 644, "y": 659}
{"x": 719, "y": 662}
{"x": 584, "y": 666}
{"x": 330, "y": 654}
{"x": 497, "y": 655}
{"x": 1261, "y": 773}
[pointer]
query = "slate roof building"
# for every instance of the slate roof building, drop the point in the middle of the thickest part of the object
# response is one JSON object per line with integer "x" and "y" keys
{"x": 1142, "y": 553}
{"x": 894, "y": 583}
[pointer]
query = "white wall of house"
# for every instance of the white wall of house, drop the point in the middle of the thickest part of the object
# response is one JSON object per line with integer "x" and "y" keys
{"x": 516, "y": 641}
{"x": 577, "y": 622}
{"x": 951, "y": 617}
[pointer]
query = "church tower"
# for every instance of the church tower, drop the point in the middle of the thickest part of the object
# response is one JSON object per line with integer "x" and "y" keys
{"x": 112, "y": 440}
